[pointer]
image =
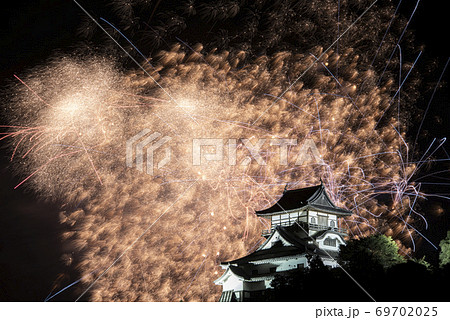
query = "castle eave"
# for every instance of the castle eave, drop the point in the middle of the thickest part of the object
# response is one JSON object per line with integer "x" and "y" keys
{"x": 314, "y": 197}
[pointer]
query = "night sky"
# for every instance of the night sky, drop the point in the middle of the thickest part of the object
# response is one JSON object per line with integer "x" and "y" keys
{"x": 30, "y": 247}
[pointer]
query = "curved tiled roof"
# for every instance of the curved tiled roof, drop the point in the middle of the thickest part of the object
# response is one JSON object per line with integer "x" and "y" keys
{"x": 299, "y": 244}
{"x": 312, "y": 197}
{"x": 273, "y": 252}
{"x": 291, "y": 199}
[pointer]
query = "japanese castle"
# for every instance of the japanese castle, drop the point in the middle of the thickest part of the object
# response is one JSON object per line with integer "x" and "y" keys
{"x": 304, "y": 223}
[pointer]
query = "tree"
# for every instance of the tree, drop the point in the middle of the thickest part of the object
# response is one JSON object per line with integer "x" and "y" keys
{"x": 370, "y": 252}
{"x": 410, "y": 281}
{"x": 423, "y": 262}
{"x": 444, "y": 255}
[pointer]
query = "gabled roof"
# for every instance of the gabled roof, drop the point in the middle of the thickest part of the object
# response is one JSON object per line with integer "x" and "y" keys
{"x": 243, "y": 276}
{"x": 314, "y": 197}
{"x": 273, "y": 252}
{"x": 322, "y": 233}
{"x": 299, "y": 243}
{"x": 232, "y": 270}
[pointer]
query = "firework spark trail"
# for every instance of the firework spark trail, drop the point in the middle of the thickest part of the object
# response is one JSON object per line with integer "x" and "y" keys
{"x": 429, "y": 102}
{"x": 290, "y": 103}
{"x": 21, "y": 81}
{"x": 51, "y": 296}
{"x": 131, "y": 43}
{"x": 136, "y": 240}
{"x": 90, "y": 161}
{"x": 45, "y": 165}
{"x": 385, "y": 34}
{"x": 406, "y": 77}
{"x": 398, "y": 42}
{"x": 123, "y": 49}
{"x": 317, "y": 59}
{"x": 195, "y": 276}
{"x": 76, "y": 103}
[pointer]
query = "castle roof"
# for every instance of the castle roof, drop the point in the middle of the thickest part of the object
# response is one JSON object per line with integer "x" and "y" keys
{"x": 299, "y": 244}
{"x": 314, "y": 197}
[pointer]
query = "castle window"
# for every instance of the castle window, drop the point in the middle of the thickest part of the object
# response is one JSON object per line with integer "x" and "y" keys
{"x": 323, "y": 220}
{"x": 332, "y": 223}
{"x": 313, "y": 220}
{"x": 330, "y": 242}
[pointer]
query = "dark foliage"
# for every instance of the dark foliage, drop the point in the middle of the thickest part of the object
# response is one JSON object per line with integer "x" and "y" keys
{"x": 408, "y": 281}
{"x": 364, "y": 276}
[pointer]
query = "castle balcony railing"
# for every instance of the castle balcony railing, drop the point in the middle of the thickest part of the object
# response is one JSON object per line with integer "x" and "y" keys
{"x": 319, "y": 227}
{"x": 311, "y": 226}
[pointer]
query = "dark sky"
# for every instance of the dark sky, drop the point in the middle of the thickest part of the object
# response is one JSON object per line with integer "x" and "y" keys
{"x": 29, "y": 230}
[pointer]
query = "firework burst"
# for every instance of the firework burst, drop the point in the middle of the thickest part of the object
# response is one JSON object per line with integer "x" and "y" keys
{"x": 140, "y": 237}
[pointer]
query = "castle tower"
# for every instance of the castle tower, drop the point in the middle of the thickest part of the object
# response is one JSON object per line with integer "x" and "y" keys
{"x": 304, "y": 222}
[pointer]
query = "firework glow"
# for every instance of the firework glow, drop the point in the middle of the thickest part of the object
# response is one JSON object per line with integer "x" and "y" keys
{"x": 140, "y": 237}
